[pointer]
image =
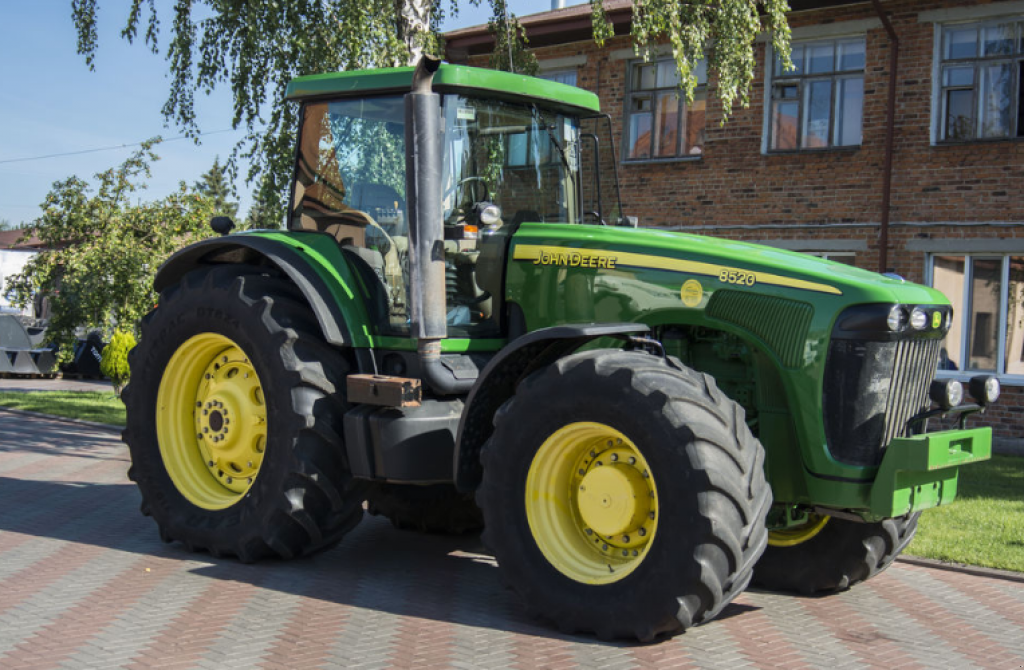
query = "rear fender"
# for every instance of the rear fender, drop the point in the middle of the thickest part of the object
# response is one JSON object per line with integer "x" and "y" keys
{"x": 312, "y": 261}
{"x": 498, "y": 381}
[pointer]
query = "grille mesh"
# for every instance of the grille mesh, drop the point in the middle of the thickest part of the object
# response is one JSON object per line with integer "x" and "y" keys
{"x": 913, "y": 369}
{"x": 781, "y": 323}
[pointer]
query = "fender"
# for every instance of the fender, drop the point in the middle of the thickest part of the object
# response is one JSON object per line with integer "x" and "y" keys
{"x": 499, "y": 379}
{"x": 312, "y": 261}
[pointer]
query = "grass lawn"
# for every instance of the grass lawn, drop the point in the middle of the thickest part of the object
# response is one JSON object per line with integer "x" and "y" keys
{"x": 101, "y": 406}
{"x": 985, "y": 526}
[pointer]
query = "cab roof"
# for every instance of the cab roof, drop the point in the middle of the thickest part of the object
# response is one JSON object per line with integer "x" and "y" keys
{"x": 448, "y": 79}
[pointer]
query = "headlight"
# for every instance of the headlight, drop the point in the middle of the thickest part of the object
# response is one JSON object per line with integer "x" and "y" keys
{"x": 919, "y": 319}
{"x": 897, "y": 318}
{"x": 946, "y": 393}
{"x": 984, "y": 389}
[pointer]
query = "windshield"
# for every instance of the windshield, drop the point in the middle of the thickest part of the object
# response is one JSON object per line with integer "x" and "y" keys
{"x": 519, "y": 157}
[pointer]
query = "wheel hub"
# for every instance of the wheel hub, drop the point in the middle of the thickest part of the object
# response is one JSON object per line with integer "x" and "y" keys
{"x": 591, "y": 503}
{"x": 230, "y": 389}
{"x": 613, "y": 499}
{"x": 211, "y": 421}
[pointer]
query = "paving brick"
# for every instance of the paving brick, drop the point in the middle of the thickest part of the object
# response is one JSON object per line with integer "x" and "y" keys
{"x": 75, "y": 593}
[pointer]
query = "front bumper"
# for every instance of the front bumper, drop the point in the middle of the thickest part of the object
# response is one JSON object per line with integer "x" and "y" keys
{"x": 921, "y": 471}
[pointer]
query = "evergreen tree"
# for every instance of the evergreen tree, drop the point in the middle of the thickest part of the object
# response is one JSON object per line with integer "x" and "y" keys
{"x": 215, "y": 186}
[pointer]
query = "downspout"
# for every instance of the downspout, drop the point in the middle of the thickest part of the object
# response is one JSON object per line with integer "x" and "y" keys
{"x": 423, "y": 143}
{"x": 890, "y": 123}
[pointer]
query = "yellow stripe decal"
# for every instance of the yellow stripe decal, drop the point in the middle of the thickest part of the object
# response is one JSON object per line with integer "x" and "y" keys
{"x": 605, "y": 259}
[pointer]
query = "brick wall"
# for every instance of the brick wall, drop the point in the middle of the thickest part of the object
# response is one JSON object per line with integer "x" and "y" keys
{"x": 734, "y": 190}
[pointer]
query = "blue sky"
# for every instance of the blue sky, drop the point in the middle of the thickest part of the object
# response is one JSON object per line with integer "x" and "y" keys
{"x": 50, "y": 103}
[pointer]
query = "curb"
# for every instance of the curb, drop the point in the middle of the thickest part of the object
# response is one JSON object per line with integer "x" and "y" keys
{"x": 975, "y": 570}
{"x": 63, "y": 419}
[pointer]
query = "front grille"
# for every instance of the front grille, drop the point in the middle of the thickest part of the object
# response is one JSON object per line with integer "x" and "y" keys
{"x": 871, "y": 390}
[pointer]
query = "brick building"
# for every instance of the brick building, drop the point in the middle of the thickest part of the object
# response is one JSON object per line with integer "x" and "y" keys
{"x": 804, "y": 166}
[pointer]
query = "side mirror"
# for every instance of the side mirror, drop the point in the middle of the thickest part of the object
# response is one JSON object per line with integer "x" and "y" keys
{"x": 222, "y": 225}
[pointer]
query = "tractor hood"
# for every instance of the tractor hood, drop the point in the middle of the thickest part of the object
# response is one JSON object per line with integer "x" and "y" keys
{"x": 709, "y": 259}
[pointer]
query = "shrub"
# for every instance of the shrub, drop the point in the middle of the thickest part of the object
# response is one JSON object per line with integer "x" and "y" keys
{"x": 115, "y": 359}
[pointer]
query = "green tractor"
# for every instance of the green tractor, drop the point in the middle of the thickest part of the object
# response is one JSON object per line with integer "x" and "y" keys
{"x": 461, "y": 329}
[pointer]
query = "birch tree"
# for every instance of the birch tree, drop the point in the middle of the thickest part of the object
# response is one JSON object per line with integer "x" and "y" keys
{"x": 255, "y": 47}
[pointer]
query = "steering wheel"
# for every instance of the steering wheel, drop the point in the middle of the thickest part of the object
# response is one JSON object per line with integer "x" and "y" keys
{"x": 472, "y": 180}
{"x": 594, "y": 215}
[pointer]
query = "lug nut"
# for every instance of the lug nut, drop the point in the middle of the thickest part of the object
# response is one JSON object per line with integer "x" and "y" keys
{"x": 205, "y": 429}
{"x": 224, "y": 359}
{"x": 604, "y": 547}
{"x": 625, "y": 552}
{"x": 210, "y": 463}
{"x": 590, "y": 531}
{"x": 651, "y": 515}
{"x": 632, "y": 461}
{"x": 615, "y": 457}
{"x": 230, "y": 480}
{"x": 199, "y": 404}
{"x": 593, "y": 453}
{"x": 625, "y": 538}
{"x": 642, "y": 532}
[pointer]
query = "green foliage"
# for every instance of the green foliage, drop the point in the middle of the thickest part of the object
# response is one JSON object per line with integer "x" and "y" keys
{"x": 257, "y": 46}
{"x": 723, "y": 32}
{"x": 114, "y": 363}
{"x": 510, "y": 42}
{"x": 216, "y": 186}
{"x": 985, "y": 525}
{"x": 103, "y": 251}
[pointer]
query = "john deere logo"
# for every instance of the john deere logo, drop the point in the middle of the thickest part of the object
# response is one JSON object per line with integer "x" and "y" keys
{"x": 936, "y": 319}
{"x": 575, "y": 259}
{"x": 691, "y": 293}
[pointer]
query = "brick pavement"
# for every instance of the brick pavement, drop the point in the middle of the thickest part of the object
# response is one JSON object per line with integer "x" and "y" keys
{"x": 86, "y": 583}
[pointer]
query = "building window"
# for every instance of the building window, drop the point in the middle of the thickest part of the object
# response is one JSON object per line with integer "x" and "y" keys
{"x": 820, "y": 103}
{"x": 561, "y": 76}
{"x": 980, "y": 72}
{"x": 659, "y": 123}
{"x": 987, "y": 292}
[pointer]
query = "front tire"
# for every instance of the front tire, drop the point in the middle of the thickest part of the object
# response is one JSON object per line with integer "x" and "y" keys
{"x": 623, "y": 495}
{"x": 829, "y": 554}
{"x": 234, "y": 414}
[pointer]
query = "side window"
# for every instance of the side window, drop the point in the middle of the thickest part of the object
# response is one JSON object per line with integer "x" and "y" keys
{"x": 820, "y": 103}
{"x": 980, "y": 68}
{"x": 659, "y": 123}
{"x": 350, "y": 184}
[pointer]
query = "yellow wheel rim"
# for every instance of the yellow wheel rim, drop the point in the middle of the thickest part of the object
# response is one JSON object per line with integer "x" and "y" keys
{"x": 211, "y": 421}
{"x": 591, "y": 503}
{"x": 791, "y": 537}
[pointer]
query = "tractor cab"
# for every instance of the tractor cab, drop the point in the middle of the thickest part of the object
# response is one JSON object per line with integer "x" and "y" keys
{"x": 530, "y": 153}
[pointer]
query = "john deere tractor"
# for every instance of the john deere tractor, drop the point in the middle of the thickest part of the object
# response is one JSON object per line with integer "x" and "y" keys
{"x": 461, "y": 328}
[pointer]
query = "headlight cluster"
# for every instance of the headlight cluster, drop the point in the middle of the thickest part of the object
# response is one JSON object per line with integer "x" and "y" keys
{"x": 920, "y": 318}
{"x": 948, "y": 393}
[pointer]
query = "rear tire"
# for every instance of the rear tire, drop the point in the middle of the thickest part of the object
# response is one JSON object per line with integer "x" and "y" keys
{"x": 253, "y": 474}
{"x": 837, "y": 556}
{"x": 623, "y": 495}
{"x": 437, "y": 508}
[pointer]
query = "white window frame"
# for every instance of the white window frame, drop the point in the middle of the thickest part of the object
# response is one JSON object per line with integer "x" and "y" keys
{"x": 772, "y": 80}
{"x": 938, "y": 97}
{"x": 965, "y": 374}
